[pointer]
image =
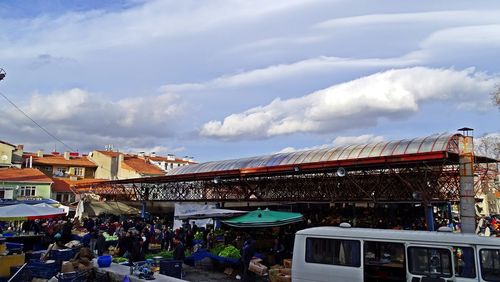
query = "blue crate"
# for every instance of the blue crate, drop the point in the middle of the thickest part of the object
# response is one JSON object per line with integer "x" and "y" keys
{"x": 43, "y": 270}
{"x": 172, "y": 268}
{"x": 62, "y": 255}
{"x": 11, "y": 245}
{"x": 74, "y": 276}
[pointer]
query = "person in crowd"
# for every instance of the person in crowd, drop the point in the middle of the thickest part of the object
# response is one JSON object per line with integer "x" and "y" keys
{"x": 179, "y": 249}
{"x": 247, "y": 252}
{"x": 100, "y": 244}
{"x": 278, "y": 250}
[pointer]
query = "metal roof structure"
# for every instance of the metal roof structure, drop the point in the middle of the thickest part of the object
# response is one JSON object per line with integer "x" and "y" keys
{"x": 424, "y": 146}
{"x": 420, "y": 169}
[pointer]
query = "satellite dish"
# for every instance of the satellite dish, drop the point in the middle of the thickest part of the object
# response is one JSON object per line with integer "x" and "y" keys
{"x": 4, "y": 157}
{"x": 341, "y": 172}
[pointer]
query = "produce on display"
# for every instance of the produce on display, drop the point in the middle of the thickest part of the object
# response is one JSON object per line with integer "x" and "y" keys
{"x": 230, "y": 252}
{"x": 109, "y": 237}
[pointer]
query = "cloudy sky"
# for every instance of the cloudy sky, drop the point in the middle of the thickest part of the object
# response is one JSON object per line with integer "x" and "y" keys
{"x": 227, "y": 79}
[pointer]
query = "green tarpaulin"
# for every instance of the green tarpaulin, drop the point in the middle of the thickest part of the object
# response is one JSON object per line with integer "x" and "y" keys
{"x": 264, "y": 218}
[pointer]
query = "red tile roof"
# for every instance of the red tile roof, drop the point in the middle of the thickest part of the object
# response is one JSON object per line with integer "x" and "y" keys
{"x": 51, "y": 160}
{"x": 141, "y": 166}
{"x": 165, "y": 159}
{"x": 24, "y": 175}
{"x": 65, "y": 184}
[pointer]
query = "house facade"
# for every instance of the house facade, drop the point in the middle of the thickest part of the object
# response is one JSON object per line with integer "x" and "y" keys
{"x": 66, "y": 170}
{"x": 24, "y": 183}
{"x": 10, "y": 155}
{"x": 117, "y": 165}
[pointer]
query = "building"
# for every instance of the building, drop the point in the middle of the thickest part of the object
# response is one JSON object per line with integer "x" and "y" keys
{"x": 10, "y": 155}
{"x": 24, "y": 183}
{"x": 169, "y": 162}
{"x": 64, "y": 166}
{"x": 117, "y": 165}
{"x": 65, "y": 170}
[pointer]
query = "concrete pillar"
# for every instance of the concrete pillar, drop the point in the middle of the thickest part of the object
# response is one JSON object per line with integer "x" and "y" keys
{"x": 467, "y": 202}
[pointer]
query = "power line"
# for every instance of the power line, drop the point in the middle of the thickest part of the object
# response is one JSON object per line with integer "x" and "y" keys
{"x": 36, "y": 123}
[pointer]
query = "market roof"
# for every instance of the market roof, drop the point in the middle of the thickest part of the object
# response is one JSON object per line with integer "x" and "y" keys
{"x": 434, "y": 143}
{"x": 51, "y": 160}
{"x": 30, "y": 175}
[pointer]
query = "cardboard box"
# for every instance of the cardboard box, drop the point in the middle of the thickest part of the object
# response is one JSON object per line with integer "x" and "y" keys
{"x": 285, "y": 271}
{"x": 273, "y": 274}
{"x": 287, "y": 263}
{"x": 284, "y": 278}
{"x": 67, "y": 267}
{"x": 257, "y": 268}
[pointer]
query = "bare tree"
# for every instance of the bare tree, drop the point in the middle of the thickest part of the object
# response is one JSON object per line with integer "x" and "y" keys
{"x": 489, "y": 146}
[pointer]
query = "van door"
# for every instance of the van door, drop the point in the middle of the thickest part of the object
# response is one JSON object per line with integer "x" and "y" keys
{"x": 489, "y": 263}
{"x": 429, "y": 264}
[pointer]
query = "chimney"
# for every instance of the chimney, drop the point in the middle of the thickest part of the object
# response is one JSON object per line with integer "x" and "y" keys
{"x": 39, "y": 153}
{"x": 153, "y": 154}
{"x": 66, "y": 155}
{"x": 20, "y": 147}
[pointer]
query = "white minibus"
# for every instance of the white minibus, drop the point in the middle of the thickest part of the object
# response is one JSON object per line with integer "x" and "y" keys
{"x": 378, "y": 255}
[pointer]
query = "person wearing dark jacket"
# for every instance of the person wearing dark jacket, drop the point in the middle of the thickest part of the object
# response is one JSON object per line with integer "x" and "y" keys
{"x": 100, "y": 244}
{"x": 247, "y": 253}
{"x": 179, "y": 249}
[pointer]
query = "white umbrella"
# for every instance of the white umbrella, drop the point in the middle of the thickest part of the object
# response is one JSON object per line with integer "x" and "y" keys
{"x": 27, "y": 212}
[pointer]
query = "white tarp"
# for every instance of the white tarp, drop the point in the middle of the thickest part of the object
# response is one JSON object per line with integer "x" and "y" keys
{"x": 186, "y": 208}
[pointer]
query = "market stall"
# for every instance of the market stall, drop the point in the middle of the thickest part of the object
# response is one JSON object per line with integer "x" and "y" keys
{"x": 264, "y": 218}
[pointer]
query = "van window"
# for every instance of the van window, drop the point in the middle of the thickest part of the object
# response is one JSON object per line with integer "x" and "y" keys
{"x": 333, "y": 251}
{"x": 384, "y": 261}
{"x": 464, "y": 262}
{"x": 429, "y": 261}
{"x": 490, "y": 264}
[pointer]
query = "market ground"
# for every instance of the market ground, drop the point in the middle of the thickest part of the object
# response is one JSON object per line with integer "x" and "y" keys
{"x": 205, "y": 271}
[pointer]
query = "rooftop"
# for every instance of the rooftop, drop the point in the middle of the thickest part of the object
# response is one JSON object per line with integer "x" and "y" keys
{"x": 51, "y": 160}
{"x": 3, "y": 142}
{"x": 65, "y": 184}
{"x": 141, "y": 166}
{"x": 30, "y": 175}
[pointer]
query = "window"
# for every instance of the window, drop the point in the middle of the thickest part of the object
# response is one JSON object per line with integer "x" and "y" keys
{"x": 464, "y": 262}
{"x": 60, "y": 172}
{"x": 26, "y": 191}
{"x": 490, "y": 264}
{"x": 332, "y": 251}
{"x": 384, "y": 260}
{"x": 429, "y": 261}
{"x": 79, "y": 171}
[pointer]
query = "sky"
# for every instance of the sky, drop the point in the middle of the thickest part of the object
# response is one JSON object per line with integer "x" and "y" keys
{"x": 221, "y": 79}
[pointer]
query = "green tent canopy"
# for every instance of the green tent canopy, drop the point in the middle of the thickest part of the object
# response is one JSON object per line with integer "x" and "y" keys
{"x": 264, "y": 218}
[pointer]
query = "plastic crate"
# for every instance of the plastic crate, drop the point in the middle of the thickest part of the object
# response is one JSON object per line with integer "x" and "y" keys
{"x": 172, "y": 268}
{"x": 11, "y": 245}
{"x": 44, "y": 270}
{"x": 36, "y": 255}
{"x": 74, "y": 276}
{"x": 62, "y": 255}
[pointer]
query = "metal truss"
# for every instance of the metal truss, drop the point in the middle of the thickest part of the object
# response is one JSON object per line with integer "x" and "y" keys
{"x": 412, "y": 183}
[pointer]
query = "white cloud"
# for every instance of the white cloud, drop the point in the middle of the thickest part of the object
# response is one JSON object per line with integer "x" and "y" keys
{"x": 281, "y": 71}
{"x": 461, "y": 17}
{"x": 74, "y": 34}
{"x": 355, "y": 104}
{"x": 86, "y": 119}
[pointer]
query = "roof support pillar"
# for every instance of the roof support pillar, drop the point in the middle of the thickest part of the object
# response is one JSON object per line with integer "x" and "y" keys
{"x": 467, "y": 203}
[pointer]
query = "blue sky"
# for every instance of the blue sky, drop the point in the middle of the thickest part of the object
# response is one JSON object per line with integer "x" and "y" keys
{"x": 227, "y": 79}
